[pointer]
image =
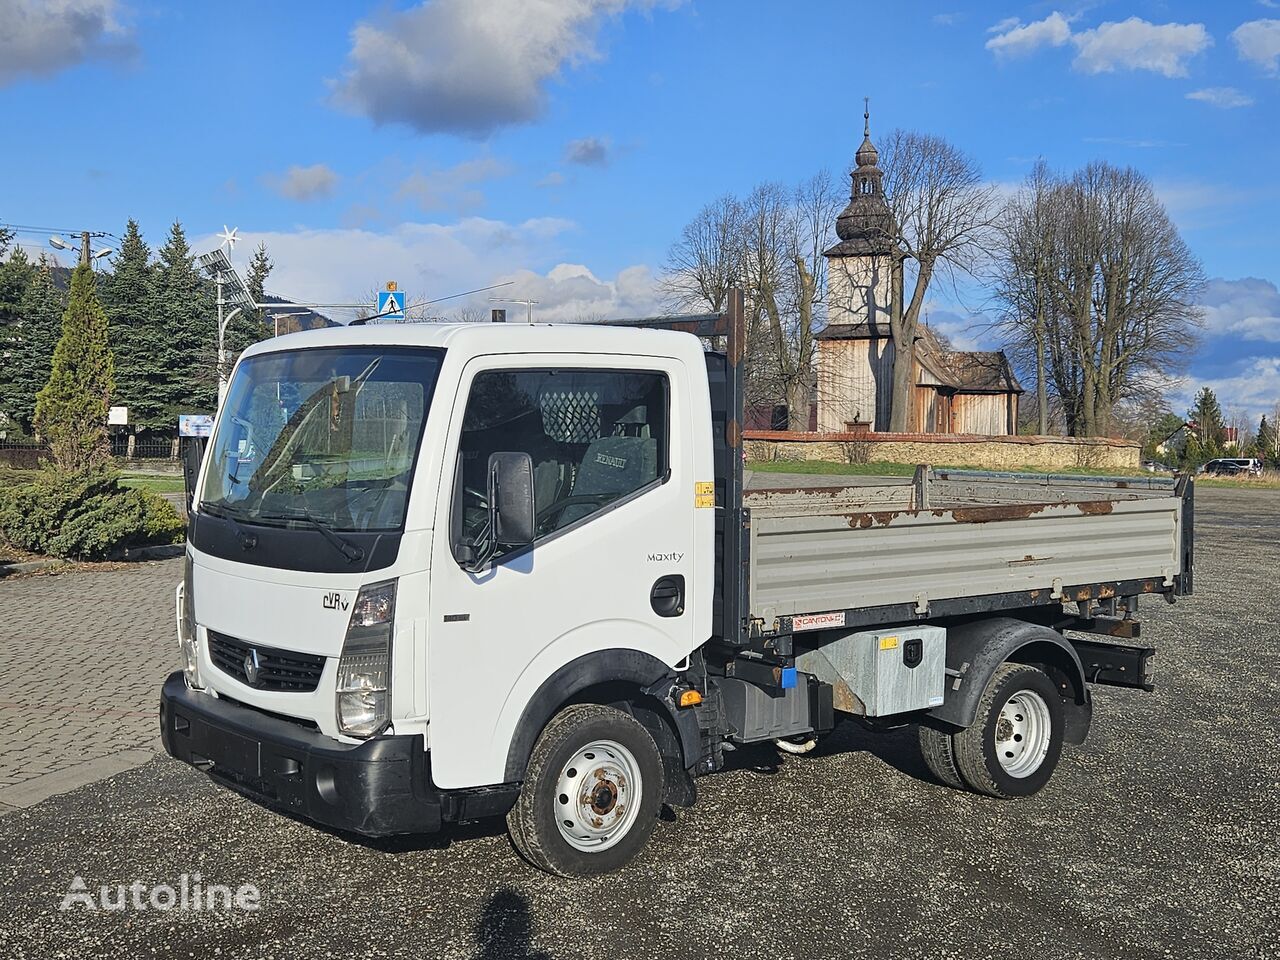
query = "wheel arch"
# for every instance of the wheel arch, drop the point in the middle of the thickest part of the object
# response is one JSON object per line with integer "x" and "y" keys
{"x": 976, "y": 649}
{"x": 631, "y": 680}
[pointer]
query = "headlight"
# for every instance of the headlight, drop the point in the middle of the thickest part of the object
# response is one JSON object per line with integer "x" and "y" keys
{"x": 364, "y": 670}
{"x": 187, "y": 626}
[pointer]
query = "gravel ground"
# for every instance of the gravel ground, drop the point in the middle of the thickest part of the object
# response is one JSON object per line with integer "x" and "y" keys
{"x": 1157, "y": 838}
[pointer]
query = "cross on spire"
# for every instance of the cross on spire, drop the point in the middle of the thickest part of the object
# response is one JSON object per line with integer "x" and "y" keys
{"x": 866, "y": 116}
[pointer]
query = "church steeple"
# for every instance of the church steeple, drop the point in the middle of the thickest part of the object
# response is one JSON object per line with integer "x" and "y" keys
{"x": 866, "y": 225}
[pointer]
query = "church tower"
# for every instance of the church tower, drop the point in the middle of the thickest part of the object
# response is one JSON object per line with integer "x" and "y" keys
{"x": 855, "y": 349}
{"x": 860, "y": 268}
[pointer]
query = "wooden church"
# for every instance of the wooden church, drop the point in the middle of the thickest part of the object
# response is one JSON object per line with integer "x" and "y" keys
{"x": 955, "y": 392}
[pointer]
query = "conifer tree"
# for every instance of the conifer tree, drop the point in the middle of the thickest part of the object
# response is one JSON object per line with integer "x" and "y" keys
{"x": 182, "y": 305}
{"x": 71, "y": 410}
{"x": 1268, "y": 440}
{"x": 30, "y": 357}
{"x": 15, "y": 277}
{"x": 1205, "y": 442}
{"x": 1206, "y": 414}
{"x": 138, "y": 339}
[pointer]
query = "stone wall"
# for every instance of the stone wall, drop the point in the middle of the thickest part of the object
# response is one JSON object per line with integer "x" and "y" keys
{"x": 946, "y": 450}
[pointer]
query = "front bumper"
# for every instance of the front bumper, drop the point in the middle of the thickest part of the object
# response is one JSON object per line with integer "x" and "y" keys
{"x": 376, "y": 788}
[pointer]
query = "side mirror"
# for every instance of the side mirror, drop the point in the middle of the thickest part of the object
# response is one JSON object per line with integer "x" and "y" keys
{"x": 511, "y": 511}
{"x": 192, "y": 458}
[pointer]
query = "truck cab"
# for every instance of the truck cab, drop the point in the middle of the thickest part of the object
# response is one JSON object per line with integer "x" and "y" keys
{"x": 347, "y": 603}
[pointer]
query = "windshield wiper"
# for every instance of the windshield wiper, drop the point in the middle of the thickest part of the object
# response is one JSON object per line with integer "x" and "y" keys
{"x": 353, "y": 553}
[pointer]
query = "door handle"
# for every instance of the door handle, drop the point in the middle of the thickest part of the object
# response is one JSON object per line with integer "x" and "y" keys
{"x": 667, "y": 596}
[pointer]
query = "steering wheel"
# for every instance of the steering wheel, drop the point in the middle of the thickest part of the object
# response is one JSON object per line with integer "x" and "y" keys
{"x": 553, "y": 510}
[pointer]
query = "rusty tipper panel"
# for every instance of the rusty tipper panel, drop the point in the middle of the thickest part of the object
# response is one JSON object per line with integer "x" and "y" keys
{"x": 804, "y": 562}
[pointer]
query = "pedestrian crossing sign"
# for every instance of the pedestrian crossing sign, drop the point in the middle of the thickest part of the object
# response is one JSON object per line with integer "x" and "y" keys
{"x": 390, "y": 304}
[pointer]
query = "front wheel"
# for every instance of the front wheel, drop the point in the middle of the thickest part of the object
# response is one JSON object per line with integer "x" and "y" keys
{"x": 1015, "y": 740}
{"x": 591, "y": 793}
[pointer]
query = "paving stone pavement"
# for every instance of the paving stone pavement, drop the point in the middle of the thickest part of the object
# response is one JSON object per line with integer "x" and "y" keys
{"x": 82, "y": 658}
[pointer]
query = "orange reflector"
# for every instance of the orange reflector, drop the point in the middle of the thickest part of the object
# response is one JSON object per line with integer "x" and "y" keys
{"x": 690, "y": 698}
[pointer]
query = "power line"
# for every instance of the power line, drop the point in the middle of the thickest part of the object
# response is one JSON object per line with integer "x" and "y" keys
{"x": 44, "y": 231}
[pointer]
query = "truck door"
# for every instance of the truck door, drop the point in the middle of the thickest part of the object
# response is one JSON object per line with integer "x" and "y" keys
{"x": 613, "y": 562}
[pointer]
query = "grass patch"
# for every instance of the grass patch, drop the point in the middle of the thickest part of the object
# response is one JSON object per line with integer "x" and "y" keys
{"x": 153, "y": 483}
{"x": 831, "y": 468}
{"x": 1266, "y": 482}
{"x": 10, "y": 477}
{"x": 889, "y": 469}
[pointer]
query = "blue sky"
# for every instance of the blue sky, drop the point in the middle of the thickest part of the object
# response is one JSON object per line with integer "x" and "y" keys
{"x": 564, "y": 143}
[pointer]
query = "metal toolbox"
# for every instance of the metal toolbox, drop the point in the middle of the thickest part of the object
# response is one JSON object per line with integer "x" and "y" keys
{"x": 882, "y": 672}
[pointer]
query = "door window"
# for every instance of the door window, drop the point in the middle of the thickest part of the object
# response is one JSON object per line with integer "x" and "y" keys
{"x": 594, "y": 436}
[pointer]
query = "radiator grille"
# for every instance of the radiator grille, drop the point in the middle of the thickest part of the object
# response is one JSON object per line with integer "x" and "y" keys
{"x": 280, "y": 670}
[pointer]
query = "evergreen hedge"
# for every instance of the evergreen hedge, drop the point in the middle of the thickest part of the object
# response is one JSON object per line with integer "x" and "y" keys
{"x": 85, "y": 515}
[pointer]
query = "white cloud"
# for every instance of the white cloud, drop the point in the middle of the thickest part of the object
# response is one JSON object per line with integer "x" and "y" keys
{"x": 1017, "y": 39}
{"x": 457, "y": 66}
{"x": 570, "y": 292}
{"x": 40, "y": 37}
{"x": 588, "y": 152}
{"x": 453, "y": 188}
{"x": 553, "y": 179}
{"x": 1225, "y": 98}
{"x": 962, "y": 331}
{"x": 1247, "y": 309}
{"x": 1252, "y": 388}
{"x": 1133, "y": 44}
{"x": 1258, "y": 41}
{"x": 1137, "y": 44}
{"x": 947, "y": 19}
{"x": 304, "y": 183}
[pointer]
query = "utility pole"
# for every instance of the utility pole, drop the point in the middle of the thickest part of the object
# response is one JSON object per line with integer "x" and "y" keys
{"x": 84, "y": 249}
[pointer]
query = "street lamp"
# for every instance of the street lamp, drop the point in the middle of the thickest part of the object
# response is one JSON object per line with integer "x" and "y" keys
{"x": 85, "y": 256}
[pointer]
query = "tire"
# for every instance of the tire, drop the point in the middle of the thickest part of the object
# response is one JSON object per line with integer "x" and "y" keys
{"x": 581, "y": 831}
{"x": 939, "y": 756}
{"x": 1015, "y": 741}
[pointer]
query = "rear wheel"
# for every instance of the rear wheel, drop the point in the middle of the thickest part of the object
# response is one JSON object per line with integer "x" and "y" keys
{"x": 591, "y": 793}
{"x": 1015, "y": 740}
{"x": 939, "y": 756}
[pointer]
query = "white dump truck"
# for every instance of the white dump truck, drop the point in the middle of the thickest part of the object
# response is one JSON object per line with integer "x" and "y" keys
{"x": 438, "y": 573}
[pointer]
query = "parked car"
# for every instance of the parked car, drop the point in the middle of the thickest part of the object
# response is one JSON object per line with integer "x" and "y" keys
{"x": 1233, "y": 467}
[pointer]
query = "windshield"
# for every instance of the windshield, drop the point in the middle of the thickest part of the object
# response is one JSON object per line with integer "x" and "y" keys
{"x": 322, "y": 436}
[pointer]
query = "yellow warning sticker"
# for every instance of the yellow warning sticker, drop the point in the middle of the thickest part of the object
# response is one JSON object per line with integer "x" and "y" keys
{"x": 888, "y": 643}
{"x": 704, "y": 495}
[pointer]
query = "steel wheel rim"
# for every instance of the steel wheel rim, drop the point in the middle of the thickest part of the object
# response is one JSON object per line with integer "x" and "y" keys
{"x": 1023, "y": 732}
{"x": 597, "y": 796}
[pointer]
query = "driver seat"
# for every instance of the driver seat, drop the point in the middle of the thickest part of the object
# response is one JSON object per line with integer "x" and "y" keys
{"x": 612, "y": 467}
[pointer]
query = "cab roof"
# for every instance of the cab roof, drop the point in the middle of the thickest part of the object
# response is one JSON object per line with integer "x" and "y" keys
{"x": 488, "y": 338}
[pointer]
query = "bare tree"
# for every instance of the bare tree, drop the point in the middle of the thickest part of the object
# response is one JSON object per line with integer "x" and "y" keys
{"x": 771, "y": 244}
{"x": 944, "y": 213}
{"x": 469, "y": 313}
{"x": 707, "y": 259}
{"x": 1023, "y": 272}
{"x": 1110, "y": 287}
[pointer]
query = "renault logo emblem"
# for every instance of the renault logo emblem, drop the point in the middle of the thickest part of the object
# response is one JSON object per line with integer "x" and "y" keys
{"x": 251, "y": 667}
